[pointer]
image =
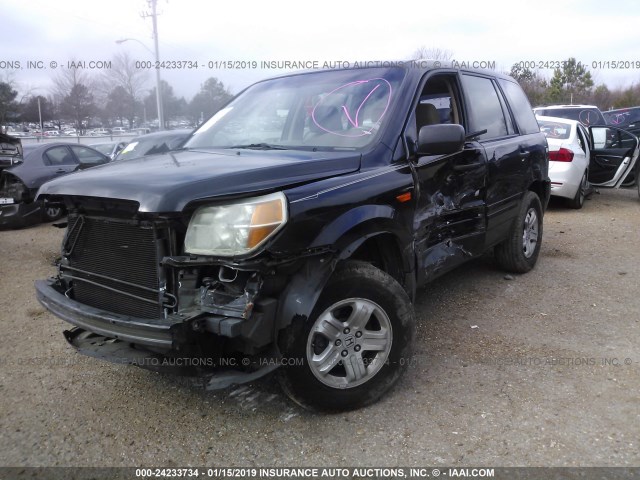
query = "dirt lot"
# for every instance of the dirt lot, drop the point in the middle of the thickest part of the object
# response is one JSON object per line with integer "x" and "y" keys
{"x": 540, "y": 369}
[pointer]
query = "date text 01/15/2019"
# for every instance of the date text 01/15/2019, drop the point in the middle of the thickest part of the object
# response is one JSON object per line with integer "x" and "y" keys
{"x": 595, "y": 64}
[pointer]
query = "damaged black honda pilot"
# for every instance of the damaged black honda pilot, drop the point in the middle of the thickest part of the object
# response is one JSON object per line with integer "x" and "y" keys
{"x": 295, "y": 226}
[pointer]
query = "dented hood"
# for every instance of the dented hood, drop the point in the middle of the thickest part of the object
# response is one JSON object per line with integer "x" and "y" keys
{"x": 168, "y": 182}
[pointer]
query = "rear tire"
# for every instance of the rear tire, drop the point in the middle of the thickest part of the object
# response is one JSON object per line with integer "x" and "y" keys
{"x": 354, "y": 347}
{"x": 519, "y": 252}
{"x": 578, "y": 201}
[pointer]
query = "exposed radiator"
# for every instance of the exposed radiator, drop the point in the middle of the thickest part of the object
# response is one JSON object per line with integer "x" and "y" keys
{"x": 114, "y": 266}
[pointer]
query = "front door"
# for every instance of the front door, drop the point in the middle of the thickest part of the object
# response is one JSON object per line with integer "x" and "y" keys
{"x": 449, "y": 219}
{"x": 614, "y": 153}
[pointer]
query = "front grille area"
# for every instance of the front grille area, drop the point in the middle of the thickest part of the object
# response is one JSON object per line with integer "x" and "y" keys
{"x": 114, "y": 266}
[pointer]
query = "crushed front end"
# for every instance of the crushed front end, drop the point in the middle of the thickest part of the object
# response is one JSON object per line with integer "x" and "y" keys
{"x": 135, "y": 297}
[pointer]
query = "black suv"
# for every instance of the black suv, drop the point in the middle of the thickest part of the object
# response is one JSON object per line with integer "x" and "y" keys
{"x": 294, "y": 227}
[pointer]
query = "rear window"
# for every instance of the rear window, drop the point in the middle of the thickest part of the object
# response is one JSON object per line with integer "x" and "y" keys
{"x": 557, "y": 130}
{"x": 622, "y": 116}
{"x": 586, "y": 116}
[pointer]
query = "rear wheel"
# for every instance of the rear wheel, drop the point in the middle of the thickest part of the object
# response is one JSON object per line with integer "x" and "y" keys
{"x": 519, "y": 252}
{"x": 578, "y": 201}
{"x": 356, "y": 344}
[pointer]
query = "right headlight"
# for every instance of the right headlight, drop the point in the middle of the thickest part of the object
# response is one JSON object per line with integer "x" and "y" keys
{"x": 237, "y": 227}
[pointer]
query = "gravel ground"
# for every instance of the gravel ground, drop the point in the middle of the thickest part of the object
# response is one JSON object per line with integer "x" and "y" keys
{"x": 509, "y": 371}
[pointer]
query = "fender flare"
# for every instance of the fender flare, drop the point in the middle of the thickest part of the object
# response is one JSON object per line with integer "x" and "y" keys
{"x": 305, "y": 286}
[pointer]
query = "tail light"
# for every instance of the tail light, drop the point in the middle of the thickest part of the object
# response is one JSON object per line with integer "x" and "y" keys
{"x": 562, "y": 155}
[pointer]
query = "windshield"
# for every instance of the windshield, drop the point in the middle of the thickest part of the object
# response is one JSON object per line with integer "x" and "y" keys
{"x": 104, "y": 148}
{"x": 340, "y": 109}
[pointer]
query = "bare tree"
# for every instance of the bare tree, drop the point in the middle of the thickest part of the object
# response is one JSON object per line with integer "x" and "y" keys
{"x": 72, "y": 91}
{"x": 67, "y": 79}
{"x": 432, "y": 53}
{"x": 124, "y": 74}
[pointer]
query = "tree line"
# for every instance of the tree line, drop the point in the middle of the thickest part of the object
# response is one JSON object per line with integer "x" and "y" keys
{"x": 117, "y": 96}
{"x": 573, "y": 84}
{"x": 121, "y": 94}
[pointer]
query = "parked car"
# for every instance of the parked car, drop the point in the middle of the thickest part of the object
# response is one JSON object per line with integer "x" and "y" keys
{"x": 576, "y": 161}
{"x": 118, "y": 130}
{"x": 110, "y": 149}
{"x": 152, "y": 143}
{"x": 295, "y": 226}
{"x": 569, "y": 153}
{"x": 99, "y": 132}
{"x": 40, "y": 162}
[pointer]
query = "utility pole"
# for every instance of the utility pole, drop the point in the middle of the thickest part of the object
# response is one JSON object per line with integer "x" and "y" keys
{"x": 40, "y": 115}
{"x": 154, "y": 21}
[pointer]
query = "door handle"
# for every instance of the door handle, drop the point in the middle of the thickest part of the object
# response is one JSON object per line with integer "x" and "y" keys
{"x": 467, "y": 166}
{"x": 61, "y": 170}
{"x": 523, "y": 154}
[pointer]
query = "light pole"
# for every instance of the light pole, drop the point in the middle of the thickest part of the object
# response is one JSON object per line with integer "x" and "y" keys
{"x": 158, "y": 84}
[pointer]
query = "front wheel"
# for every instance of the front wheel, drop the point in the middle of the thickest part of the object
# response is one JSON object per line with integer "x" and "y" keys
{"x": 519, "y": 252}
{"x": 50, "y": 213}
{"x": 356, "y": 344}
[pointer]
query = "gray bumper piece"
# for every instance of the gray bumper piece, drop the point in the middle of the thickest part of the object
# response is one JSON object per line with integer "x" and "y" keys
{"x": 154, "y": 333}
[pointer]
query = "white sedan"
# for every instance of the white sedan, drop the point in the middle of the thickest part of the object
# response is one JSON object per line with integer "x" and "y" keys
{"x": 569, "y": 155}
{"x": 580, "y": 157}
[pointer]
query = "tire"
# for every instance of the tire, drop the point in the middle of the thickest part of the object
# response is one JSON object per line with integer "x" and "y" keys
{"x": 377, "y": 342}
{"x": 50, "y": 214}
{"x": 519, "y": 252}
{"x": 578, "y": 201}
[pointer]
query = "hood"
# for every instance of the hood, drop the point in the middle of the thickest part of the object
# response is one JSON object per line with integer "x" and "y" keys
{"x": 168, "y": 182}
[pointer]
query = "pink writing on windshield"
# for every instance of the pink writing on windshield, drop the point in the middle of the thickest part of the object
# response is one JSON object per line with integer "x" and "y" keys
{"x": 353, "y": 109}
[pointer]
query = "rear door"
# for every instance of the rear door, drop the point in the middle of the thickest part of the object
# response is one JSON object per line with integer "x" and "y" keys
{"x": 614, "y": 154}
{"x": 509, "y": 154}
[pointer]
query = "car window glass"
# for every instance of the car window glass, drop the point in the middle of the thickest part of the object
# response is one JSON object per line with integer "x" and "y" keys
{"x": 332, "y": 109}
{"x": 559, "y": 130}
{"x": 586, "y": 116}
{"x": 520, "y": 106}
{"x": 511, "y": 130}
{"x": 621, "y": 117}
{"x": 438, "y": 104}
{"x": 59, "y": 156}
{"x": 88, "y": 156}
{"x": 582, "y": 139}
{"x": 485, "y": 109}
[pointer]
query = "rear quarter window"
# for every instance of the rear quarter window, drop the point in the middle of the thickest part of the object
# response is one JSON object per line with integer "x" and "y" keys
{"x": 520, "y": 106}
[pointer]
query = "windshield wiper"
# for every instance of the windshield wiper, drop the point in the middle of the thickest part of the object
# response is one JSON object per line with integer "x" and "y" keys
{"x": 260, "y": 146}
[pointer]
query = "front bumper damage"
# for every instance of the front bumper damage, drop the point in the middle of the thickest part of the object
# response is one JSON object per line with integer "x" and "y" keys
{"x": 219, "y": 338}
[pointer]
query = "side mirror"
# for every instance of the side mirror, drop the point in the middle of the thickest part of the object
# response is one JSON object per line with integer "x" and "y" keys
{"x": 441, "y": 139}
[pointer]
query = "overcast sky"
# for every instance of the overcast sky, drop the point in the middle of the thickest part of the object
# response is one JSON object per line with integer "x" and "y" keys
{"x": 503, "y": 32}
